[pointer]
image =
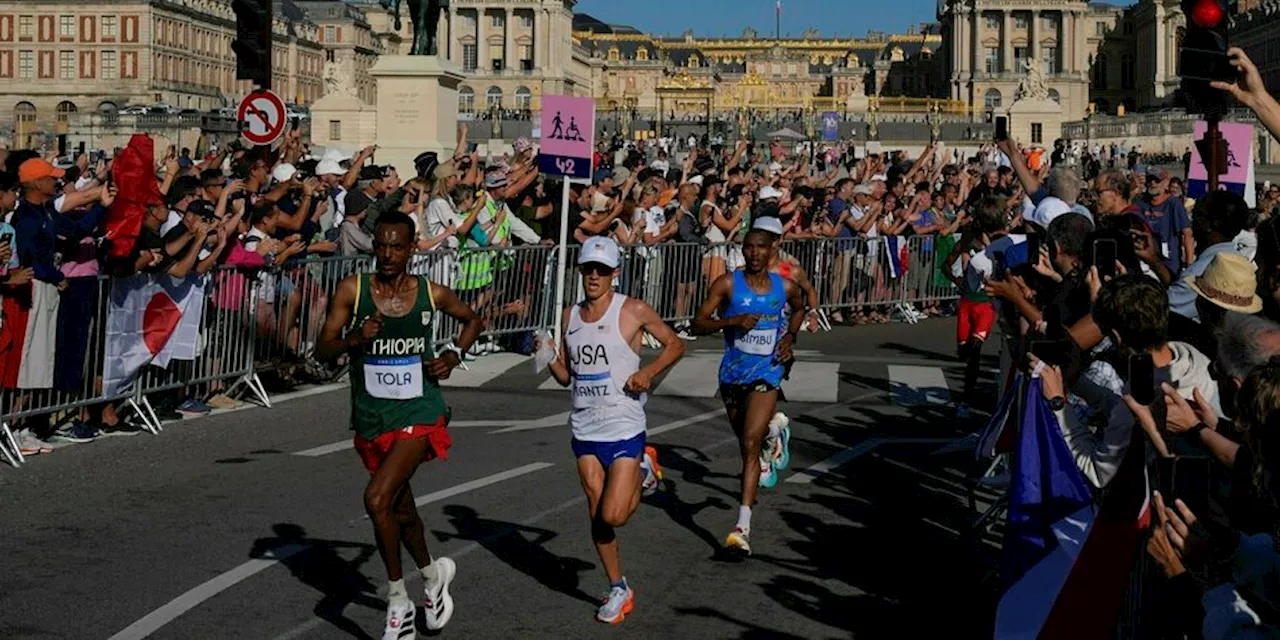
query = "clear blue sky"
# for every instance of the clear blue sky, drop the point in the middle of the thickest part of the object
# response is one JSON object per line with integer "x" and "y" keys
{"x": 730, "y": 17}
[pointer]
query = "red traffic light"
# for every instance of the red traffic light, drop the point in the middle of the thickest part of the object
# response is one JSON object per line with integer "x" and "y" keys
{"x": 1208, "y": 14}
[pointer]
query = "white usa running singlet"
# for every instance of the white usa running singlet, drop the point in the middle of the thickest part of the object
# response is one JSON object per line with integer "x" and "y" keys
{"x": 600, "y": 363}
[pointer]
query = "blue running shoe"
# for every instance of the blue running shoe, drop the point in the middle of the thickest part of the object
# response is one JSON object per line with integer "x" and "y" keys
{"x": 77, "y": 433}
{"x": 194, "y": 407}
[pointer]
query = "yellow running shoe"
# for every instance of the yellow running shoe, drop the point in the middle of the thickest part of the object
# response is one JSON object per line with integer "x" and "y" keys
{"x": 738, "y": 543}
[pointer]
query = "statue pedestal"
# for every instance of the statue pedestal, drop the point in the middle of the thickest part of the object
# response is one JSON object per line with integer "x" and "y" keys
{"x": 417, "y": 109}
{"x": 1025, "y": 113}
{"x": 357, "y": 122}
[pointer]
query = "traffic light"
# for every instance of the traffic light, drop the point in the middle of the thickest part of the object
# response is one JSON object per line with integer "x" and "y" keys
{"x": 252, "y": 45}
{"x": 1204, "y": 55}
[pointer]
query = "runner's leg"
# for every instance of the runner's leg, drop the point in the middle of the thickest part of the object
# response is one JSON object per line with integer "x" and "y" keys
{"x": 751, "y": 431}
{"x": 413, "y": 533}
{"x": 612, "y": 497}
{"x": 380, "y": 499}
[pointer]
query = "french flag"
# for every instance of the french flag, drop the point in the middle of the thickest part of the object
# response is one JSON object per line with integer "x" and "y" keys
{"x": 1067, "y": 558}
{"x": 898, "y": 256}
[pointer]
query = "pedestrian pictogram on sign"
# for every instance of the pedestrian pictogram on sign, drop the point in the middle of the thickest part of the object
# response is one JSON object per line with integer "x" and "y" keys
{"x": 568, "y": 130}
{"x": 261, "y": 117}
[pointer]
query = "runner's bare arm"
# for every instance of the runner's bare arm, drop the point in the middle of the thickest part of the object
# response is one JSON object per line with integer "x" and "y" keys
{"x": 704, "y": 323}
{"x": 448, "y": 302}
{"x": 795, "y": 298}
{"x": 331, "y": 343}
{"x": 672, "y": 346}
{"x": 794, "y": 323}
{"x": 806, "y": 286}
{"x": 560, "y": 367}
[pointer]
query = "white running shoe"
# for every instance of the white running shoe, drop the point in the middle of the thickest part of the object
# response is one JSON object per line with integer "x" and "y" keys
{"x": 616, "y": 607}
{"x": 438, "y": 606}
{"x": 400, "y": 622}
{"x": 782, "y": 443}
{"x": 653, "y": 475}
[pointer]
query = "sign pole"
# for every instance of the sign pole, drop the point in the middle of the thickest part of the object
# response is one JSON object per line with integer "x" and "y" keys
{"x": 1215, "y": 164}
{"x": 562, "y": 253}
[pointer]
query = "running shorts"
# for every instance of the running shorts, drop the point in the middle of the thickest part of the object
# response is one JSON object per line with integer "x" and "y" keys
{"x": 734, "y": 396}
{"x": 975, "y": 320}
{"x": 607, "y": 452}
{"x": 374, "y": 452}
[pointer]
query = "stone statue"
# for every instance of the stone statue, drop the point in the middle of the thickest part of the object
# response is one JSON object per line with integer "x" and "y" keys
{"x": 935, "y": 122}
{"x": 1032, "y": 86}
{"x": 873, "y": 118}
{"x": 425, "y": 15}
{"x": 338, "y": 80}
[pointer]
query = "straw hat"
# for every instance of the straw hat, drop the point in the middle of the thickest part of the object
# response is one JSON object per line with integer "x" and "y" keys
{"x": 1229, "y": 282}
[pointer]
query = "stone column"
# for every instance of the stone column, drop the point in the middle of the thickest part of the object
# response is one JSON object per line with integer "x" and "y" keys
{"x": 1033, "y": 39}
{"x": 453, "y": 53}
{"x": 974, "y": 41}
{"x": 482, "y": 49}
{"x": 509, "y": 55}
{"x": 1006, "y": 42}
{"x": 538, "y": 44}
{"x": 1158, "y": 29}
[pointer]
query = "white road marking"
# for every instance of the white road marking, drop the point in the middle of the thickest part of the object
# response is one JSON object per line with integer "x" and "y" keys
{"x": 153, "y": 621}
{"x": 482, "y": 370}
{"x": 806, "y": 476}
{"x": 813, "y": 382}
{"x": 917, "y": 386}
{"x": 475, "y": 484}
{"x": 679, "y": 424}
{"x": 505, "y": 425}
{"x": 558, "y": 420}
{"x": 324, "y": 450}
{"x": 695, "y": 376}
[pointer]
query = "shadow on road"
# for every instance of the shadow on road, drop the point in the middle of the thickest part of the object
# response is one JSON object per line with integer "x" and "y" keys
{"x": 896, "y": 535}
{"x": 319, "y": 565}
{"x": 507, "y": 542}
{"x": 749, "y": 631}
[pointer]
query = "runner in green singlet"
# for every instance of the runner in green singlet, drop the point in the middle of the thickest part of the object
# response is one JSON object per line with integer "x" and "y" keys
{"x": 383, "y": 321}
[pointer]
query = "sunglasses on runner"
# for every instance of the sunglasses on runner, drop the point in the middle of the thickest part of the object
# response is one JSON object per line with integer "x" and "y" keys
{"x": 595, "y": 268}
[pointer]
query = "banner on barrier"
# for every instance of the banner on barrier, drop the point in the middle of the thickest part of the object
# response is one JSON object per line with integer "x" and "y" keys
{"x": 150, "y": 319}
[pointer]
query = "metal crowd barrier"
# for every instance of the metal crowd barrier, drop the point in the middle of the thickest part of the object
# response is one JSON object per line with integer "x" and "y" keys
{"x": 271, "y": 320}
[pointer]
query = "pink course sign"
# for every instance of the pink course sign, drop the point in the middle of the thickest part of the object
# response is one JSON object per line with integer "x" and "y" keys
{"x": 1239, "y": 137}
{"x": 568, "y": 136}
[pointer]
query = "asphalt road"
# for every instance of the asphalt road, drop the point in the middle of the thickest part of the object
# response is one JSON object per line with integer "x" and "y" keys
{"x": 219, "y": 528}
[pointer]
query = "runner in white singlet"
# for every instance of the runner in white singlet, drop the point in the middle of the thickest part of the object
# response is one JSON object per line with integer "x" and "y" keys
{"x": 600, "y": 360}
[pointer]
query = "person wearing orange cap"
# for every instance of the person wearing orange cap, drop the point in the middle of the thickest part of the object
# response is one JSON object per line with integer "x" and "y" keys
{"x": 37, "y": 221}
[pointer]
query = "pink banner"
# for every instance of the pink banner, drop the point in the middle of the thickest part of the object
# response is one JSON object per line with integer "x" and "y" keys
{"x": 1239, "y": 137}
{"x": 568, "y": 126}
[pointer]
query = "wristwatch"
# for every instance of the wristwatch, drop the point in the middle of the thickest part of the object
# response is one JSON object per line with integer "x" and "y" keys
{"x": 1195, "y": 431}
{"x": 1058, "y": 404}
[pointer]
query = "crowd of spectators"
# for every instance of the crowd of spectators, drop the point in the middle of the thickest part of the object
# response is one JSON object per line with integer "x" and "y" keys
{"x": 1150, "y": 322}
{"x": 1092, "y": 254}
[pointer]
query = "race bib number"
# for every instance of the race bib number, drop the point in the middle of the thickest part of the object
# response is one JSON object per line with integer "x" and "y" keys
{"x": 593, "y": 389}
{"x": 393, "y": 378}
{"x": 758, "y": 341}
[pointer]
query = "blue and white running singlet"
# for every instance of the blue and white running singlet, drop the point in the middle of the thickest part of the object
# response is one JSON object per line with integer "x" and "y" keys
{"x": 749, "y": 356}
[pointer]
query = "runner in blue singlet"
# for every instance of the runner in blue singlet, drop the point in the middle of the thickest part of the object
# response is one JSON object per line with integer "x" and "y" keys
{"x": 750, "y": 307}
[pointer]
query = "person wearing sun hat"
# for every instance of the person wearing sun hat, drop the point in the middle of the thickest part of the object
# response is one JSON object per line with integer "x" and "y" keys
{"x": 1228, "y": 284}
